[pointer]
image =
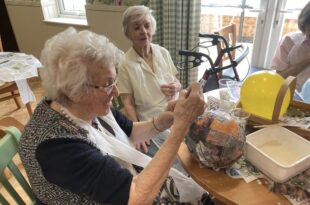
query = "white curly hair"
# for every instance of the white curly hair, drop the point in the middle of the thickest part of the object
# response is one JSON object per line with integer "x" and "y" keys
{"x": 67, "y": 59}
{"x": 136, "y": 13}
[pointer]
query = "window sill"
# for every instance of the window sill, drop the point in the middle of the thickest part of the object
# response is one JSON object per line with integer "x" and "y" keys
{"x": 22, "y": 3}
{"x": 68, "y": 21}
{"x": 102, "y": 7}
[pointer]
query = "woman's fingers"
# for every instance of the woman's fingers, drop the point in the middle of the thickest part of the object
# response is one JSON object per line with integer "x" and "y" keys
{"x": 170, "y": 89}
{"x": 171, "y": 105}
{"x": 144, "y": 146}
{"x": 196, "y": 88}
{"x": 137, "y": 146}
{"x": 183, "y": 94}
{"x": 190, "y": 105}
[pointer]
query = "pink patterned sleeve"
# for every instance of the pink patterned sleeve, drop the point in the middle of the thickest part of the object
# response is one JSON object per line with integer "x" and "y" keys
{"x": 280, "y": 59}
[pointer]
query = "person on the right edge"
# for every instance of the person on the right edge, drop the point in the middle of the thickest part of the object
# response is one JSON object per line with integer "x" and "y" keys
{"x": 292, "y": 57}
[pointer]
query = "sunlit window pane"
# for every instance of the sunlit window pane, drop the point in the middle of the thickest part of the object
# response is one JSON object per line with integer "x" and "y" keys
{"x": 295, "y": 5}
{"x": 76, "y": 7}
{"x": 221, "y": 3}
{"x": 254, "y": 4}
{"x": 230, "y": 3}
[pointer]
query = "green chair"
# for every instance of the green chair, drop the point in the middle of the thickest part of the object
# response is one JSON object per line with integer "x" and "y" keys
{"x": 8, "y": 149}
{"x": 117, "y": 103}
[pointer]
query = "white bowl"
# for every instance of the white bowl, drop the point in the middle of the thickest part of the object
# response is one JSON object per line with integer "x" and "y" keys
{"x": 279, "y": 153}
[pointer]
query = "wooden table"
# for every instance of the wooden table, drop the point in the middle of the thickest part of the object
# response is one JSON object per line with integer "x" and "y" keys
{"x": 226, "y": 189}
{"x": 16, "y": 68}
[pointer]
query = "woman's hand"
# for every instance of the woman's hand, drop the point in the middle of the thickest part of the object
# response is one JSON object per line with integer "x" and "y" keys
{"x": 144, "y": 146}
{"x": 188, "y": 107}
{"x": 171, "y": 89}
{"x": 190, "y": 100}
{"x": 295, "y": 69}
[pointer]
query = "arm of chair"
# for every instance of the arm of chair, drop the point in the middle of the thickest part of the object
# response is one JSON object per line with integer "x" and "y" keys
{"x": 11, "y": 121}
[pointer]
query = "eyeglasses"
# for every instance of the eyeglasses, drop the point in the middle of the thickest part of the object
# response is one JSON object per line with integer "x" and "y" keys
{"x": 107, "y": 88}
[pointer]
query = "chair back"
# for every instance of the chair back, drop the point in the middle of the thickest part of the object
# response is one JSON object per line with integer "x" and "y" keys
{"x": 11, "y": 121}
{"x": 8, "y": 149}
{"x": 9, "y": 90}
{"x": 229, "y": 32}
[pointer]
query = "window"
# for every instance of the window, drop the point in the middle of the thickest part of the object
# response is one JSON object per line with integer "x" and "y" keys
{"x": 260, "y": 23}
{"x": 216, "y": 14}
{"x": 73, "y": 9}
{"x": 230, "y": 3}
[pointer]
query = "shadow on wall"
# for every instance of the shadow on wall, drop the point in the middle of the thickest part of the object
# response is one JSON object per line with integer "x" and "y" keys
{"x": 7, "y": 37}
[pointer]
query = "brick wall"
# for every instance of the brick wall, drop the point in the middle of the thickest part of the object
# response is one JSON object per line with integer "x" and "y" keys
{"x": 209, "y": 24}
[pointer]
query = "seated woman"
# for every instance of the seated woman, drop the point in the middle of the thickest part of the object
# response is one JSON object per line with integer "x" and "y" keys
{"x": 292, "y": 57}
{"x": 144, "y": 84}
{"x": 77, "y": 150}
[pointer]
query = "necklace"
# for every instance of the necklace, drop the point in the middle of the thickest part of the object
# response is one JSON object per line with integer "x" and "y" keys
{"x": 66, "y": 115}
{"x": 73, "y": 119}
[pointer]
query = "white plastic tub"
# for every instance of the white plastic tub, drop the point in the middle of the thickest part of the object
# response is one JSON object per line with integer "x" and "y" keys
{"x": 279, "y": 153}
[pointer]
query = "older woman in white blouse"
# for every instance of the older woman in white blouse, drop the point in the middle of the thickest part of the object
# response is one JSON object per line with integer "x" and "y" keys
{"x": 147, "y": 76}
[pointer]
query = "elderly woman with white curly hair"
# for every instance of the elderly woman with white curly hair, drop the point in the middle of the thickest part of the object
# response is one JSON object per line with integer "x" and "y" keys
{"x": 147, "y": 75}
{"x": 76, "y": 149}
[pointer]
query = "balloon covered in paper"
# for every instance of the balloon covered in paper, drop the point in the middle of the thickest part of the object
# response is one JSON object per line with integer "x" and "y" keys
{"x": 216, "y": 139}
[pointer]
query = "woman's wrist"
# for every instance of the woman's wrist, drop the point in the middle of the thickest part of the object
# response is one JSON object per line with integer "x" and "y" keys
{"x": 181, "y": 125}
{"x": 155, "y": 125}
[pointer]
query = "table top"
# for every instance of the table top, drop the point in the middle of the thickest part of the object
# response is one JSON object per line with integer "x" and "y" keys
{"x": 227, "y": 189}
{"x": 17, "y": 66}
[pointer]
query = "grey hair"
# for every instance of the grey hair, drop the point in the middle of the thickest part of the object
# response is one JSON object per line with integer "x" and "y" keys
{"x": 136, "y": 13}
{"x": 304, "y": 18}
{"x": 67, "y": 59}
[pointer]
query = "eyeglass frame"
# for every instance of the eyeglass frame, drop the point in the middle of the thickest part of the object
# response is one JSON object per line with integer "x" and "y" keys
{"x": 107, "y": 89}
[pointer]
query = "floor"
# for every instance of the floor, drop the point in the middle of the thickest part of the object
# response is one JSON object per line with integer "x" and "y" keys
{"x": 8, "y": 108}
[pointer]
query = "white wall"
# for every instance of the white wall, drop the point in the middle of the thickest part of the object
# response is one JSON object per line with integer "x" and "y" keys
{"x": 107, "y": 20}
{"x": 31, "y": 31}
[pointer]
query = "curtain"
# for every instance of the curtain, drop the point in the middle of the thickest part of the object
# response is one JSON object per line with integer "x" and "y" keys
{"x": 6, "y": 31}
{"x": 178, "y": 25}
